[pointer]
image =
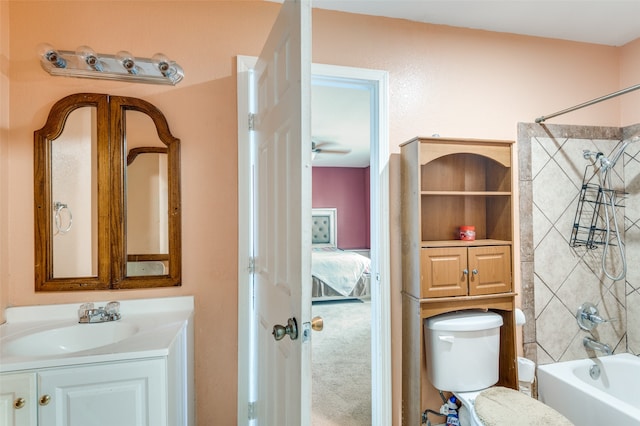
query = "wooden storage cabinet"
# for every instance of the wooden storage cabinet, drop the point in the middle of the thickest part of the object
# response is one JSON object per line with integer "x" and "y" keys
{"x": 465, "y": 271}
{"x": 447, "y": 183}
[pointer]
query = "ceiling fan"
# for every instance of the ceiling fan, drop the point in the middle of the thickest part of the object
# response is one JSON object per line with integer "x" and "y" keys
{"x": 325, "y": 147}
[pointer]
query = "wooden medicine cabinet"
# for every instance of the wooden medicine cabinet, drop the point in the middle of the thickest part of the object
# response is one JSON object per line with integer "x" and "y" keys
{"x": 107, "y": 196}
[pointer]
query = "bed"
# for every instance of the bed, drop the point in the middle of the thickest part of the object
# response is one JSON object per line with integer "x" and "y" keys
{"x": 336, "y": 274}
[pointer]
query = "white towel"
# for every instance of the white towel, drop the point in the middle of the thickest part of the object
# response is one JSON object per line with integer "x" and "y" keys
{"x": 498, "y": 406}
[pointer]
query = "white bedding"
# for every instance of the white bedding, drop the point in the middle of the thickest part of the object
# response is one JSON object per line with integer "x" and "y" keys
{"x": 339, "y": 269}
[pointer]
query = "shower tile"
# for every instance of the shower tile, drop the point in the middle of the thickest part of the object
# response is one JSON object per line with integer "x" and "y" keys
{"x": 551, "y": 145}
{"x": 542, "y": 296}
{"x": 556, "y": 328}
{"x": 576, "y": 349}
{"x": 541, "y": 226}
{"x": 539, "y": 158}
{"x": 633, "y": 317}
{"x": 614, "y": 312}
{"x": 632, "y": 246}
{"x": 524, "y": 158}
{"x": 619, "y": 290}
{"x": 565, "y": 222}
{"x": 543, "y": 357}
{"x": 632, "y": 205}
{"x": 526, "y": 221}
{"x": 580, "y": 286}
{"x": 552, "y": 191}
{"x": 554, "y": 260}
{"x": 571, "y": 160}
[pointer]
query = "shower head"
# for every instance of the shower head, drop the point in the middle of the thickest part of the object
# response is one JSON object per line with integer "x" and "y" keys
{"x": 610, "y": 162}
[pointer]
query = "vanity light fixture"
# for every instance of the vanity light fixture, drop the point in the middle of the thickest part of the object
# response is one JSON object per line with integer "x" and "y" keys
{"x": 123, "y": 66}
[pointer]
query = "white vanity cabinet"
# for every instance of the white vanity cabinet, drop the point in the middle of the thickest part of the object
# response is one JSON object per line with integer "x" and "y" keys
{"x": 18, "y": 399}
{"x": 122, "y": 393}
{"x": 127, "y": 393}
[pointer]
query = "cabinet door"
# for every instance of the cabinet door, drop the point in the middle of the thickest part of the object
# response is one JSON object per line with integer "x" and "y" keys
{"x": 18, "y": 400}
{"x": 443, "y": 272}
{"x": 123, "y": 394}
{"x": 490, "y": 268}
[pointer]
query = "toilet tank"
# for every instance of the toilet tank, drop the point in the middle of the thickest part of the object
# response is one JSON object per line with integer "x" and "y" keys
{"x": 462, "y": 350}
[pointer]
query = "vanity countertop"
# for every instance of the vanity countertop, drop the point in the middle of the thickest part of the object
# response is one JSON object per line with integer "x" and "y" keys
{"x": 152, "y": 327}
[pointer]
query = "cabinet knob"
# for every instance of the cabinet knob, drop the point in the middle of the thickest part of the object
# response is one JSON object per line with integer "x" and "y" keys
{"x": 474, "y": 272}
{"x": 44, "y": 400}
{"x": 19, "y": 403}
{"x": 465, "y": 272}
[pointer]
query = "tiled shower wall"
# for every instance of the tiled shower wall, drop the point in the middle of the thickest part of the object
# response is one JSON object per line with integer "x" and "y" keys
{"x": 557, "y": 278}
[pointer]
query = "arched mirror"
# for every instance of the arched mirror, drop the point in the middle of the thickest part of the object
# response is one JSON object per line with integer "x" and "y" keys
{"x": 107, "y": 196}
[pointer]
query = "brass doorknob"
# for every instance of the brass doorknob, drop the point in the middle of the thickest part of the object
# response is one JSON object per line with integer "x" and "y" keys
{"x": 44, "y": 400}
{"x": 317, "y": 323}
{"x": 19, "y": 403}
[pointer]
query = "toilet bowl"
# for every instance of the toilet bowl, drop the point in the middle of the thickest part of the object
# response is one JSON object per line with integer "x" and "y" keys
{"x": 467, "y": 412}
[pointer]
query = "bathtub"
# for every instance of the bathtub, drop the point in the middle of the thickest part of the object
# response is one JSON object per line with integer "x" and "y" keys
{"x": 613, "y": 398}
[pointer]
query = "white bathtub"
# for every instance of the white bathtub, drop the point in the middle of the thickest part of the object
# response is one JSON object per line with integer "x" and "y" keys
{"x": 611, "y": 399}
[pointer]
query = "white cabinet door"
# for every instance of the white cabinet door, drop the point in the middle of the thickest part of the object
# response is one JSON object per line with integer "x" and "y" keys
{"x": 18, "y": 400}
{"x": 123, "y": 394}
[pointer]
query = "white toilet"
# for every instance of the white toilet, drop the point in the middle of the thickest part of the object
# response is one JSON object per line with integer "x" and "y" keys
{"x": 462, "y": 350}
{"x": 463, "y": 354}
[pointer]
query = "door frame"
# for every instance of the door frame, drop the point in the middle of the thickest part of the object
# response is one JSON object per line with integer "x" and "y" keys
{"x": 376, "y": 81}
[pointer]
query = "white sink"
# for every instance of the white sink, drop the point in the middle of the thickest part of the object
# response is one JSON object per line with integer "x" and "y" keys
{"x": 68, "y": 339}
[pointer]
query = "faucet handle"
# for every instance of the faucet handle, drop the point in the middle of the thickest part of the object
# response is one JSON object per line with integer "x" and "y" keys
{"x": 113, "y": 311}
{"x": 82, "y": 310}
{"x": 112, "y": 307}
{"x": 588, "y": 317}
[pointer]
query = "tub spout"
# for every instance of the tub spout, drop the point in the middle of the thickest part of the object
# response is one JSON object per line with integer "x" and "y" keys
{"x": 593, "y": 344}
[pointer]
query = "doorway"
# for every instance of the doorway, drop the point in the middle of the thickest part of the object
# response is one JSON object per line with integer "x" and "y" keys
{"x": 376, "y": 82}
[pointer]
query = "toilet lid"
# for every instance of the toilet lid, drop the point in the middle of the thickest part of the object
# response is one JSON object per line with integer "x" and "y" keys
{"x": 498, "y": 406}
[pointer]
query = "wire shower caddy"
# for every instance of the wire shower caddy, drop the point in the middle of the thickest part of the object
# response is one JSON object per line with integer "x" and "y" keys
{"x": 589, "y": 224}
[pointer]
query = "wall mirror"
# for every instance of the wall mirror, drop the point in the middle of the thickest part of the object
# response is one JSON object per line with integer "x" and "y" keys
{"x": 107, "y": 196}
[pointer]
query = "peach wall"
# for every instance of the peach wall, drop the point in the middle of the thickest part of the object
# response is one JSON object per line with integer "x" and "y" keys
{"x": 455, "y": 82}
{"x": 4, "y": 155}
{"x": 629, "y": 76}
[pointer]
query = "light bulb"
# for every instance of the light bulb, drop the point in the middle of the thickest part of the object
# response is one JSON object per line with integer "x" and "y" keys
{"x": 126, "y": 59}
{"x": 163, "y": 64}
{"x": 51, "y": 55}
{"x": 89, "y": 56}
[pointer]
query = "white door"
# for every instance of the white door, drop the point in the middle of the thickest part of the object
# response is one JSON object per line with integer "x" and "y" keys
{"x": 282, "y": 235}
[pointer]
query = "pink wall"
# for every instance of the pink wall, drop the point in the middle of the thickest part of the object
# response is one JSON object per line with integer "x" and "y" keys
{"x": 346, "y": 189}
{"x": 451, "y": 81}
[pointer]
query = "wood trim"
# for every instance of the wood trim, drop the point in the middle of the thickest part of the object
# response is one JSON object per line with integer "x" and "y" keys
{"x": 134, "y": 152}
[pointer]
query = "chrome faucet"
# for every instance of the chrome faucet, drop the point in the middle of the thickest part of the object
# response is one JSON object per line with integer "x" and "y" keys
{"x": 88, "y": 314}
{"x": 588, "y": 317}
{"x": 595, "y": 345}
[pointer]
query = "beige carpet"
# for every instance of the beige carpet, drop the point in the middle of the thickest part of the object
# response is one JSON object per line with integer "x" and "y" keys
{"x": 341, "y": 365}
